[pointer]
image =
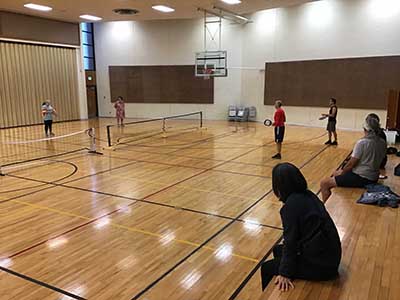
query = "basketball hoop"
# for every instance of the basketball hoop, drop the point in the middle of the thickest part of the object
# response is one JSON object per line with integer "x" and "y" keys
{"x": 208, "y": 72}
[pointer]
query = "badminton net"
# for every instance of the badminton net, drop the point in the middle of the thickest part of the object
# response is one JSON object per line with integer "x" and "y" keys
{"x": 162, "y": 127}
{"x": 23, "y": 146}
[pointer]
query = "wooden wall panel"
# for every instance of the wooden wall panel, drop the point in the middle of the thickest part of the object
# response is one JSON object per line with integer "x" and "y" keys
{"x": 30, "y": 74}
{"x": 23, "y": 27}
{"x": 355, "y": 82}
{"x": 160, "y": 84}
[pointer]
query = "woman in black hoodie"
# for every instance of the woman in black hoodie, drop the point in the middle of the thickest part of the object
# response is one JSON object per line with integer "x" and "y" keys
{"x": 311, "y": 248}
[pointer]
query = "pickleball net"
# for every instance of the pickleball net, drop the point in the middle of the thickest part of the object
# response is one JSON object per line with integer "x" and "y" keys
{"x": 162, "y": 127}
{"x": 24, "y": 147}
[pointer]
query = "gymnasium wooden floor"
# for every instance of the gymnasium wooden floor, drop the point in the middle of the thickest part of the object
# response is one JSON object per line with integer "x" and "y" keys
{"x": 184, "y": 217}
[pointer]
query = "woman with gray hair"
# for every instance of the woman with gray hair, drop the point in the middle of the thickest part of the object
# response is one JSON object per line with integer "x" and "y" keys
{"x": 363, "y": 167}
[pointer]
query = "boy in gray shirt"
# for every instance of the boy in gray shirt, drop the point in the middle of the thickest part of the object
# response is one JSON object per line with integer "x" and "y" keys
{"x": 363, "y": 167}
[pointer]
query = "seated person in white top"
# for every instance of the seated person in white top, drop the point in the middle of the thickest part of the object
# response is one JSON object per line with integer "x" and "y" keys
{"x": 363, "y": 167}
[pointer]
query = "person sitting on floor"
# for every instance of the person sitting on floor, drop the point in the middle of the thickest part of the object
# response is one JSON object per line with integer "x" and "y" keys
{"x": 382, "y": 135}
{"x": 311, "y": 248}
{"x": 363, "y": 167}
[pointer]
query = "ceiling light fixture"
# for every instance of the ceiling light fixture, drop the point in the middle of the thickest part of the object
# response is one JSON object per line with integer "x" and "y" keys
{"x": 163, "y": 8}
{"x": 232, "y": 2}
{"x": 90, "y": 18}
{"x": 38, "y": 7}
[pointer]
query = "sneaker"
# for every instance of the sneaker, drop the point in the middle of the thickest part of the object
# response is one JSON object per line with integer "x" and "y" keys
{"x": 334, "y": 143}
{"x": 277, "y": 156}
{"x": 328, "y": 142}
{"x": 52, "y": 134}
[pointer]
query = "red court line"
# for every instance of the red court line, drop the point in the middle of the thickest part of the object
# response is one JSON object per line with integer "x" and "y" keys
{"x": 242, "y": 285}
{"x": 194, "y": 167}
{"x": 206, "y": 170}
{"x": 89, "y": 222}
{"x": 150, "y": 286}
{"x": 66, "y": 232}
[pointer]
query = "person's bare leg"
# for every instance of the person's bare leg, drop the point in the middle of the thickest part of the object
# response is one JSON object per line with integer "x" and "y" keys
{"x": 330, "y": 135}
{"x": 335, "y": 135}
{"x": 326, "y": 185}
{"x": 279, "y": 147}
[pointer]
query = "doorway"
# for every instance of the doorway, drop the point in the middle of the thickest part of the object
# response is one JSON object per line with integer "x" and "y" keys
{"x": 393, "y": 110}
{"x": 91, "y": 93}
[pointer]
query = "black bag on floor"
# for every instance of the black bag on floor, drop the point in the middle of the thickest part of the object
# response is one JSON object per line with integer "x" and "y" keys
{"x": 397, "y": 170}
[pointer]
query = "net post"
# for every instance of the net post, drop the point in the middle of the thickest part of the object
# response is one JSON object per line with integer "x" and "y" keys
{"x": 92, "y": 135}
{"x": 201, "y": 119}
{"x": 108, "y": 136}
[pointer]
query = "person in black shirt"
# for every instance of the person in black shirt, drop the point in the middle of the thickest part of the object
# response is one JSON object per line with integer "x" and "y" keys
{"x": 331, "y": 127}
{"x": 311, "y": 248}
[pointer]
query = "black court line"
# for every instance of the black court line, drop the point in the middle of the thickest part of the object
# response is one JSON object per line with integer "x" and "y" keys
{"x": 41, "y": 283}
{"x": 41, "y": 158}
{"x": 27, "y": 194}
{"x": 55, "y": 184}
{"x": 177, "y": 146}
{"x": 174, "y": 153}
{"x": 150, "y": 286}
{"x": 192, "y": 143}
{"x": 255, "y": 269}
{"x": 90, "y": 222}
{"x": 75, "y": 169}
{"x": 191, "y": 167}
{"x": 143, "y": 200}
{"x": 82, "y": 225}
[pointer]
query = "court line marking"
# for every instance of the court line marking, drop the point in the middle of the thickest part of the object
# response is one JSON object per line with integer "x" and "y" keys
{"x": 191, "y": 188}
{"x": 41, "y": 283}
{"x": 193, "y": 167}
{"x": 160, "y": 278}
{"x": 214, "y": 137}
{"x": 144, "y": 201}
{"x": 176, "y": 146}
{"x": 75, "y": 169}
{"x": 152, "y": 202}
{"x": 112, "y": 212}
{"x": 255, "y": 269}
{"x": 117, "y": 225}
{"x": 56, "y": 184}
{"x": 174, "y": 153}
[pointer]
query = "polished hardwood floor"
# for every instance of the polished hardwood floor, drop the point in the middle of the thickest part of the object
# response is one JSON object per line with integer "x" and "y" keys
{"x": 187, "y": 215}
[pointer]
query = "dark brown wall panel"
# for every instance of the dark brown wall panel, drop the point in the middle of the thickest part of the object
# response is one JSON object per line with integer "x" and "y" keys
{"x": 23, "y": 27}
{"x": 160, "y": 84}
{"x": 355, "y": 82}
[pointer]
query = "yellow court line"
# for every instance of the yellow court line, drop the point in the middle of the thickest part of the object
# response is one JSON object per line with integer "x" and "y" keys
{"x": 188, "y": 188}
{"x": 128, "y": 228}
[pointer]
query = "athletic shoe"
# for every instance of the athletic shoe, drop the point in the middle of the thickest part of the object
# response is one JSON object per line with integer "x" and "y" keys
{"x": 334, "y": 143}
{"x": 328, "y": 142}
{"x": 277, "y": 156}
{"x": 52, "y": 134}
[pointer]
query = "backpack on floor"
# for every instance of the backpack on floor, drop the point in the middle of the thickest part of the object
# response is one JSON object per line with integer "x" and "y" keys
{"x": 397, "y": 170}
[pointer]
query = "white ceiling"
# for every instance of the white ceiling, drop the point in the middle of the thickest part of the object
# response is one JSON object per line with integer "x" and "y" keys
{"x": 70, "y": 10}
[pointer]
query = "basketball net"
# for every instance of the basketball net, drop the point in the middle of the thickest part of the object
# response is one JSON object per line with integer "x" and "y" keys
{"x": 208, "y": 73}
